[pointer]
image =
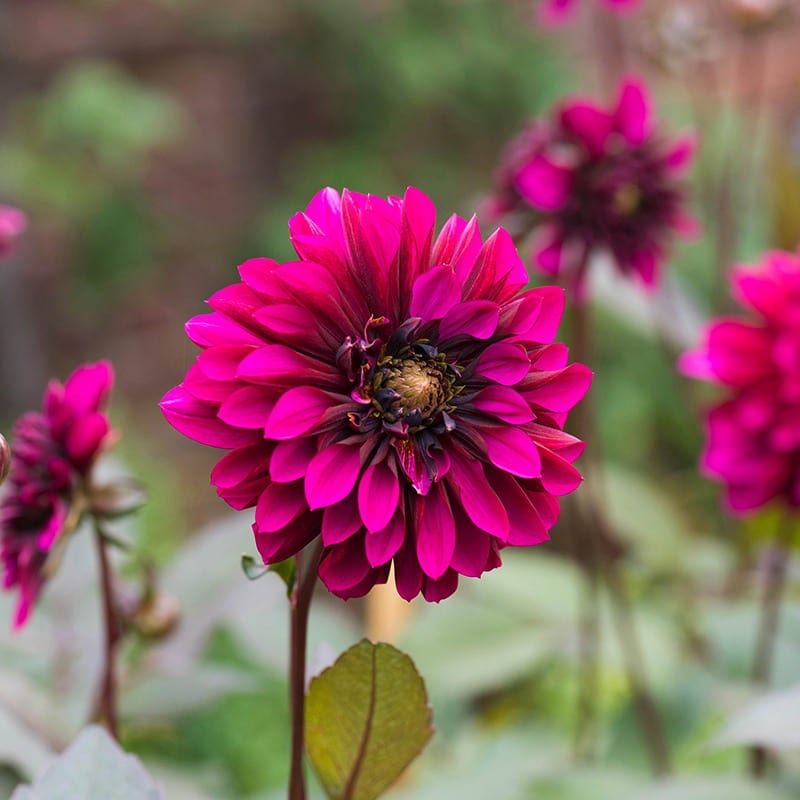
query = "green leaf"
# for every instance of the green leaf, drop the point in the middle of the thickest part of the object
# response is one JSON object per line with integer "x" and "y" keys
{"x": 92, "y": 768}
{"x": 367, "y": 718}
{"x": 772, "y": 720}
{"x": 252, "y": 569}
{"x": 286, "y": 571}
{"x": 708, "y": 789}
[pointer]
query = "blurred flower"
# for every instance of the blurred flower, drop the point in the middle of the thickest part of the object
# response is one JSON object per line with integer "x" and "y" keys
{"x": 755, "y": 15}
{"x": 52, "y": 453}
{"x": 556, "y": 12}
{"x": 12, "y": 224}
{"x": 392, "y": 391}
{"x": 753, "y": 436}
{"x": 598, "y": 180}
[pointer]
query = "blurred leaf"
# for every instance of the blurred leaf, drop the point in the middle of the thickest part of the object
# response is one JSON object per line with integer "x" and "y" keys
{"x": 772, "y": 720}
{"x": 92, "y": 768}
{"x": 162, "y": 695}
{"x": 708, "y": 789}
{"x": 367, "y": 718}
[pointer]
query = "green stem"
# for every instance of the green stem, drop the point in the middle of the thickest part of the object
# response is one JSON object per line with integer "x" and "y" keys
{"x": 766, "y": 639}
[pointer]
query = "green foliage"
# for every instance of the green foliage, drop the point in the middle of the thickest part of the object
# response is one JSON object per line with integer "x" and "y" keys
{"x": 92, "y": 768}
{"x": 367, "y": 718}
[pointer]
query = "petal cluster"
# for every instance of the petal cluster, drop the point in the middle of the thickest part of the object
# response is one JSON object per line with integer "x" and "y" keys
{"x": 52, "y": 453}
{"x": 394, "y": 391}
{"x": 753, "y": 435}
{"x": 596, "y": 180}
{"x": 557, "y": 12}
{"x": 13, "y": 223}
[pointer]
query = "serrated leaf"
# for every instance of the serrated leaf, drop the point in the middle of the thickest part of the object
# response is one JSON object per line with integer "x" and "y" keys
{"x": 92, "y": 768}
{"x": 772, "y": 720}
{"x": 367, "y": 718}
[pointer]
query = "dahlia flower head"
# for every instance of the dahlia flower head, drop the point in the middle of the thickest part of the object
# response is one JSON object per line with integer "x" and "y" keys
{"x": 595, "y": 180}
{"x": 393, "y": 391}
{"x": 52, "y": 454}
{"x": 753, "y": 435}
{"x": 556, "y": 12}
{"x": 13, "y": 223}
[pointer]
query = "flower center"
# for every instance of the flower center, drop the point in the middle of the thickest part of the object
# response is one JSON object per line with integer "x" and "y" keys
{"x": 627, "y": 199}
{"x": 413, "y": 387}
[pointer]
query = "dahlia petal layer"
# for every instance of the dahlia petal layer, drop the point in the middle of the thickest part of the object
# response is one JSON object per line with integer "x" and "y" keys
{"x": 395, "y": 391}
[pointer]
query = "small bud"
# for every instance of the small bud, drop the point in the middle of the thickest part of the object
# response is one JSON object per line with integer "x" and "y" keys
{"x": 157, "y": 617}
{"x": 5, "y": 458}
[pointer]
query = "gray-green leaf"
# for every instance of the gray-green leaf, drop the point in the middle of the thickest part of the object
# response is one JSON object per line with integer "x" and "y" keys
{"x": 367, "y": 718}
{"x": 92, "y": 768}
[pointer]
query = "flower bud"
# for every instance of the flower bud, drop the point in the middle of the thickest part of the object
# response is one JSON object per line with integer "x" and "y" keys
{"x": 156, "y": 617}
{"x": 5, "y": 458}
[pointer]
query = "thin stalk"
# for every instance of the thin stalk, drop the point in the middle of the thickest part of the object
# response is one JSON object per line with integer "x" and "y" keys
{"x": 766, "y": 639}
{"x": 585, "y": 554}
{"x": 106, "y": 706}
{"x": 602, "y": 550}
{"x": 300, "y": 605}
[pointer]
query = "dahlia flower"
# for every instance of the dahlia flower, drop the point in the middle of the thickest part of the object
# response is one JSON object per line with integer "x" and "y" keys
{"x": 753, "y": 435}
{"x": 52, "y": 453}
{"x": 597, "y": 180}
{"x": 12, "y": 224}
{"x": 393, "y": 391}
{"x": 556, "y": 12}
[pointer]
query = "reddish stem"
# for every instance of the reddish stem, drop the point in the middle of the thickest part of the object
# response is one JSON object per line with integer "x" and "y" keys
{"x": 300, "y": 605}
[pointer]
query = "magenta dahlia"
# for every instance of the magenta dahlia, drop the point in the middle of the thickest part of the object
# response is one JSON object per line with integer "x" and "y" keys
{"x": 753, "y": 436}
{"x": 392, "y": 391}
{"x": 590, "y": 180}
{"x": 12, "y": 224}
{"x": 52, "y": 453}
{"x": 556, "y": 12}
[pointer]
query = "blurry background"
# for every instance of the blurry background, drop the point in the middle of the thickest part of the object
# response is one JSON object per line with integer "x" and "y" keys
{"x": 156, "y": 144}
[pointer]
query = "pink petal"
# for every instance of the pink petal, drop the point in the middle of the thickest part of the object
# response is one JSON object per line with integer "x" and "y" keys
{"x": 512, "y": 450}
{"x": 378, "y": 495}
{"x": 344, "y": 565}
{"x": 382, "y": 546}
{"x": 544, "y": 184}
{"x": 436, "y": 532}
{"x": 504, "y": 363}
{"x": 434, "y": 591}
{"x": 85, "y": 438}
{"x": 589, "y": 124}
{"x": 290, "y": 459}
{"x": 297, "y": 412}
{"x": 341, "y": 521}
{"x": 275, "y": 363}
{"x": 633, "y": 112}
{"x": 279, "y": 505}
{"x": 563, "y": 390}
{"x": 285, "y": 319}
{"x": 434, "y": 293}
{"x": 476, "y": 318}
{"x": 526, "y": 526}
{"x": 199, "y": 421}
{"x": 248, "y": 407}
{"x": 88, "y": 387}
{"x": 238, "y": 465}
{"x": 504, "y": 403}
{"x": 331, "y": 475}
{"x": 679, "y": 156}
{"x": 478, "y": 498}
{"x": 471, "y": 552}
{"x": 559, "y": 477}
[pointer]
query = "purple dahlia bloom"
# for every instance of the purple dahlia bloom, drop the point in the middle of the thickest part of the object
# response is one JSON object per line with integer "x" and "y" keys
{"x": 597, "y": 180}
{"x": 52, "y": 453}
{"x": 753, "y": 435}
{"x": 393, "y": 391}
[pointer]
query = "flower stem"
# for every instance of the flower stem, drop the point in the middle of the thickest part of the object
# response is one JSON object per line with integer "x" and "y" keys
{"x": 106, "y": 706}
{"x": 775, "y": 584}
{"x": 601, "y": 558}
{"x": 300, "y": 605}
